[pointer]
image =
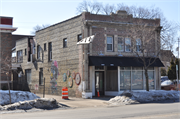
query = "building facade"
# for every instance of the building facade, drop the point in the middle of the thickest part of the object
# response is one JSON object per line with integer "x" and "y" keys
{"x": 103, "y": 64}
{"x": 6, "y": 29}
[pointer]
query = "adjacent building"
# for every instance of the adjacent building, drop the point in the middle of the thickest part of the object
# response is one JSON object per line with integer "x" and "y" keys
{"x": 6, "y": 29}
{"x": 88, "y": 54}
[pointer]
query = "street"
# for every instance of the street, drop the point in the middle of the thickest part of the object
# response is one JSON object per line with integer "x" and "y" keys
{"x": 138, "y": 111}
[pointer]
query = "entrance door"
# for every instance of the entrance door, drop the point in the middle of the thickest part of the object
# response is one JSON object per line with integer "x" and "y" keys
{"x": 99, "y": 82}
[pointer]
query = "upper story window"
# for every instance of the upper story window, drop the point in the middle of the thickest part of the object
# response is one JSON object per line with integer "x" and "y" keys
{"x": 138, "y": 45}
{"x": 127, "y": 44}
{"x": 109, "y": 43}
{"x": 79, "y": 37}
{"x": 44, "y": 46}
{"x": 25, "y": 52}
{"x": 13, "y": 57}
{"x": 14, "y": 54}
{"x": 38, "y": 51}
{"x": 120, "y": 44}
{"x": 65, "y": 43}
{"x": 50, "y": 51}
{"x": 19, "y": 56}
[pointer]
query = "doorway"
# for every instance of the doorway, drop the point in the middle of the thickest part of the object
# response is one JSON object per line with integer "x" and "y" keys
{"x": 99, "y": 83}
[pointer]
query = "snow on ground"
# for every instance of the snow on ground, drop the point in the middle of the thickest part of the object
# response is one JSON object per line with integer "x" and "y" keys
{"x": 133, "y": 97}
{"x": 25, "y": 100}
{"x": 16, "y": 96}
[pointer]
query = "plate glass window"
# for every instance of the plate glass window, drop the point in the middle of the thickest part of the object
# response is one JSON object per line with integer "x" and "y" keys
{"x": 109, "y": 43}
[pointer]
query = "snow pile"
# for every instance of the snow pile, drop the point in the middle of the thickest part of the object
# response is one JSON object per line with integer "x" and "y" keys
{"x": 133, "y": 97}
{"x": 42, "y": 103}
{"x": 16, "y": 96}
{"x": 150, "y": 96}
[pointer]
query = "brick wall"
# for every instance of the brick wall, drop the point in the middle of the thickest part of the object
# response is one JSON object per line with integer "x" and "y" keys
{"x": 5, "y": 49}
{"x": 67, "y": 58}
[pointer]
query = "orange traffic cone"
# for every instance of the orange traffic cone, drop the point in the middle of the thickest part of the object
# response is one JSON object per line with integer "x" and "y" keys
{"x": 98, "y": 94}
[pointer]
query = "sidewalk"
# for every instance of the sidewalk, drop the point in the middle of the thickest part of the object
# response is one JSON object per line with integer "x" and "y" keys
{"x": 79, "y": 102}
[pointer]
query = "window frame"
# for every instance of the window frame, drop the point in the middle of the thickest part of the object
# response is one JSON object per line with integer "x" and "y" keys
{"x": 110, "y": 44}
{"x": 127, "y": 45}
{"x": 45, "y": 49}
{"x": 123, "y": 44}
{"x": 65, "y": 43}
{"x": 50, "y": 51}
{"x": 18, "y": 55}
{"x": 78, "y": 37}
{"x": 38, "y": 51}
{"x": 138, "y": 45}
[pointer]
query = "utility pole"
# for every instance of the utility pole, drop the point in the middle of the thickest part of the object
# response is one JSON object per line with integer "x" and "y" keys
{"x": 179, "y": 64}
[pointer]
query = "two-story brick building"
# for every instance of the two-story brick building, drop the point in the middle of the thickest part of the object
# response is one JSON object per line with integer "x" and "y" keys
{"x": 6, "y": 29}
{"x": 57, "y": 54}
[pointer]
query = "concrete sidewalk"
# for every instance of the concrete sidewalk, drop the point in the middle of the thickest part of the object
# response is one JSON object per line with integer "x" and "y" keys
{"x": 79, "y": 102}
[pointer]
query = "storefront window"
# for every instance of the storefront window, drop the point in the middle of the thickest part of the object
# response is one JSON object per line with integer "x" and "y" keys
{"x": 137, "y": 80}
{"x": 151, "y": 80}
{"x": 134, "y": 78}
{"x": 125, "y": 78}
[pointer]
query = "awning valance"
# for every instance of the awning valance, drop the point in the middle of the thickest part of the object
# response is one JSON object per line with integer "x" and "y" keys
{"x": 122, "y": 61}
{"x": 86, "y": 40}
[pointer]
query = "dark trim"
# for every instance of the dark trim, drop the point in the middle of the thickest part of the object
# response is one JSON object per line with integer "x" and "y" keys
{"x": 122, "y": 61}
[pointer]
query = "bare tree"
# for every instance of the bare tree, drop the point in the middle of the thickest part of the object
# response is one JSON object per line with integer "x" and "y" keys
{"x": 168, "y": 31}
{"x": 107, "y": 9}
{"x": 88, "y": 6}
{"x": 6, "y": 68}
{"x": 143, "y": 39}
{"x": 38, "y": 27}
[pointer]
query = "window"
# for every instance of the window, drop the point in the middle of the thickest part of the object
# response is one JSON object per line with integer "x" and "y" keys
{"x": 14, "y": 54}
{"x": 109, "y": 43}
{"x": 138, "y": 45}
{"x": 133, "y": 78}
{"x": 28, "y": 75}
{"x": 65, "y": 43}
{"x": 79, "y": 37}
{"x": 127, "y": 44}
{"x": 125, "y": 78}
{"x": 38, "y": 51}
{"x": 13, "y": 57}
{"x": 25, "y": 52}
{"x": 50, "y": 51}
{"x": 41, "y": 80}
{"x": 44, "y": 46}
{"x": 137, "y": 78}
{"x": 19, "y": 56}
{"x": 120, "y": 44}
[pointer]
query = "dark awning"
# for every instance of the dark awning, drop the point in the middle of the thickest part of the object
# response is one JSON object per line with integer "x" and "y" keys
{"x": 122, "y": 61}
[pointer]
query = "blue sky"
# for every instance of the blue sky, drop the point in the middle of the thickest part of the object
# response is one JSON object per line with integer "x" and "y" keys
{"x": 29, "y": 13}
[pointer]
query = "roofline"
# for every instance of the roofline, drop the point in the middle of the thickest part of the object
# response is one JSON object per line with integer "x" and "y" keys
{"x": 61, "y": 22}
{"x": 5, "y": 17}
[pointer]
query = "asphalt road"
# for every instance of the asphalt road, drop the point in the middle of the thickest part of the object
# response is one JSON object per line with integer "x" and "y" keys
{"x": 138, "y": 111}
